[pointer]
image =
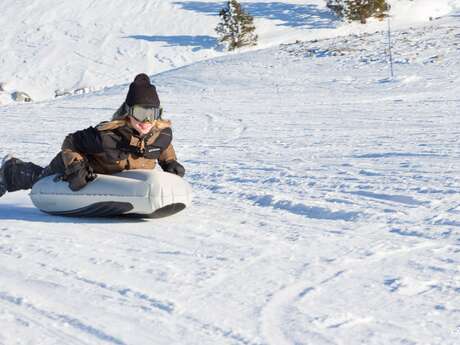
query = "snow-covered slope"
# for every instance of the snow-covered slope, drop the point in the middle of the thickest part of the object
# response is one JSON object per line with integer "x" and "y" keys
{"x": 51, "y": 47}
{"x": 326, "y": 206}
{"x": 63, "y": 46}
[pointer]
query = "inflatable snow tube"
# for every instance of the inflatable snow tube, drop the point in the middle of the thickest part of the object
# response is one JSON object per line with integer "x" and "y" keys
{"x": 135, "y": 193}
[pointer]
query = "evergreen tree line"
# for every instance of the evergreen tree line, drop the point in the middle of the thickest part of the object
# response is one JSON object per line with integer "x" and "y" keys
{"x": 236, "y": 28}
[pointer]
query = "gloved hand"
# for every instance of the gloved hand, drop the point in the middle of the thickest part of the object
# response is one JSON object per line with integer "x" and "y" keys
{"x": 173, "y": 167}
{"x": 78, "y": 174}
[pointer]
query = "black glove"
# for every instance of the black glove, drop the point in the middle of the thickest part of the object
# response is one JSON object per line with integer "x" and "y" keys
{"x": 173, "y": 167}
{"x": 78, "y": 174}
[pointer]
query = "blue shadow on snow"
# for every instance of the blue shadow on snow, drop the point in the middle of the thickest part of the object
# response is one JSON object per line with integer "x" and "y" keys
{"x": 200, "y": 42}
{"x": 300, "y": 209}
{"x": 292, "y": 15}
{"x": 32, "y": 214}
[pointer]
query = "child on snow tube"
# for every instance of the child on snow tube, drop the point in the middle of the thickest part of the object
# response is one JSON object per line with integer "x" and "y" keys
{"x": 136, "y": 138}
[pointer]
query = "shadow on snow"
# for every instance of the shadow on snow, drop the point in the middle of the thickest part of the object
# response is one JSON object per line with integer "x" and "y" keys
{"x": 32, "y": 214}
{"x": 300, "y": 209}
{"x": 291, "y": 15}
{"x": 199, "y": 42}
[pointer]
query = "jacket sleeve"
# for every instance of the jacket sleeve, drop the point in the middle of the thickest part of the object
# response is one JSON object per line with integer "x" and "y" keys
{"x": 164, "y": 140}
{"x": 77, "y": 145}
{"x": 167, "y": 154}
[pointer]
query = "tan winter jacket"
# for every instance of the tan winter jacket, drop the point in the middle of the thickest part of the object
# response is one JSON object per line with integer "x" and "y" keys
{"x": 115, "y": 146}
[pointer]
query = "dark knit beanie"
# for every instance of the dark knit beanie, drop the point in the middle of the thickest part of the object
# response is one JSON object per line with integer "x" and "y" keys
{"x": 142, "y": 92}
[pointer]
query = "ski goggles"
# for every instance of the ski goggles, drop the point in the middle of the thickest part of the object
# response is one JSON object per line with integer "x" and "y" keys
{"x": 144, "y": 113}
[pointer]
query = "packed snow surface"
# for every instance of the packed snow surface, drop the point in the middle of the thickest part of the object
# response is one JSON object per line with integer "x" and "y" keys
{"x": 326, "y": 206}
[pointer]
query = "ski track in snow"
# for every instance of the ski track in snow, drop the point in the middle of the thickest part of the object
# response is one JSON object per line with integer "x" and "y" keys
{"x": 326, "y": 208}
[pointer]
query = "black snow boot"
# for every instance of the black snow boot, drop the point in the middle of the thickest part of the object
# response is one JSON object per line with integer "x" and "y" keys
{"x": 2, "y": 176}
{"x": 16, "y": 174}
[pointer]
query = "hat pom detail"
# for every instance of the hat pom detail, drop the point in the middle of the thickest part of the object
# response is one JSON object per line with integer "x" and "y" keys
{"x": 142, "y": 92}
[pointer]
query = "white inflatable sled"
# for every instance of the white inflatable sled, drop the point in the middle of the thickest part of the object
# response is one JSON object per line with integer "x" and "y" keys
{"x": 137, "y": 193}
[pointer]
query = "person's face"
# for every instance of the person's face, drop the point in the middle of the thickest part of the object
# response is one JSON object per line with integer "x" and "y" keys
{"x": 141, "y": 127}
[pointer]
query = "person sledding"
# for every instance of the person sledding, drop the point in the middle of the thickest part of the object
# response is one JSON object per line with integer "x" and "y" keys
{"x": 136, "y": 138}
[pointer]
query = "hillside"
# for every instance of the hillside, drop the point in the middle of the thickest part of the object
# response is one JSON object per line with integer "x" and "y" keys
{"x": 326, "y": 207}
{"x": 54, "y": 47}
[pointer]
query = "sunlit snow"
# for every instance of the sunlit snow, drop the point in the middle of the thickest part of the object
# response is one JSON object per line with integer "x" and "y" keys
{"x": 326, "y": 207}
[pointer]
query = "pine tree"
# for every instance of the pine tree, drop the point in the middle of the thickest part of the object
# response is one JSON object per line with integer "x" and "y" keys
{"x": 236, "y": 28}
{"x": 381, "y": 8}
{"x": 357, "y": 10}
{"x": 352, "y": 10}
